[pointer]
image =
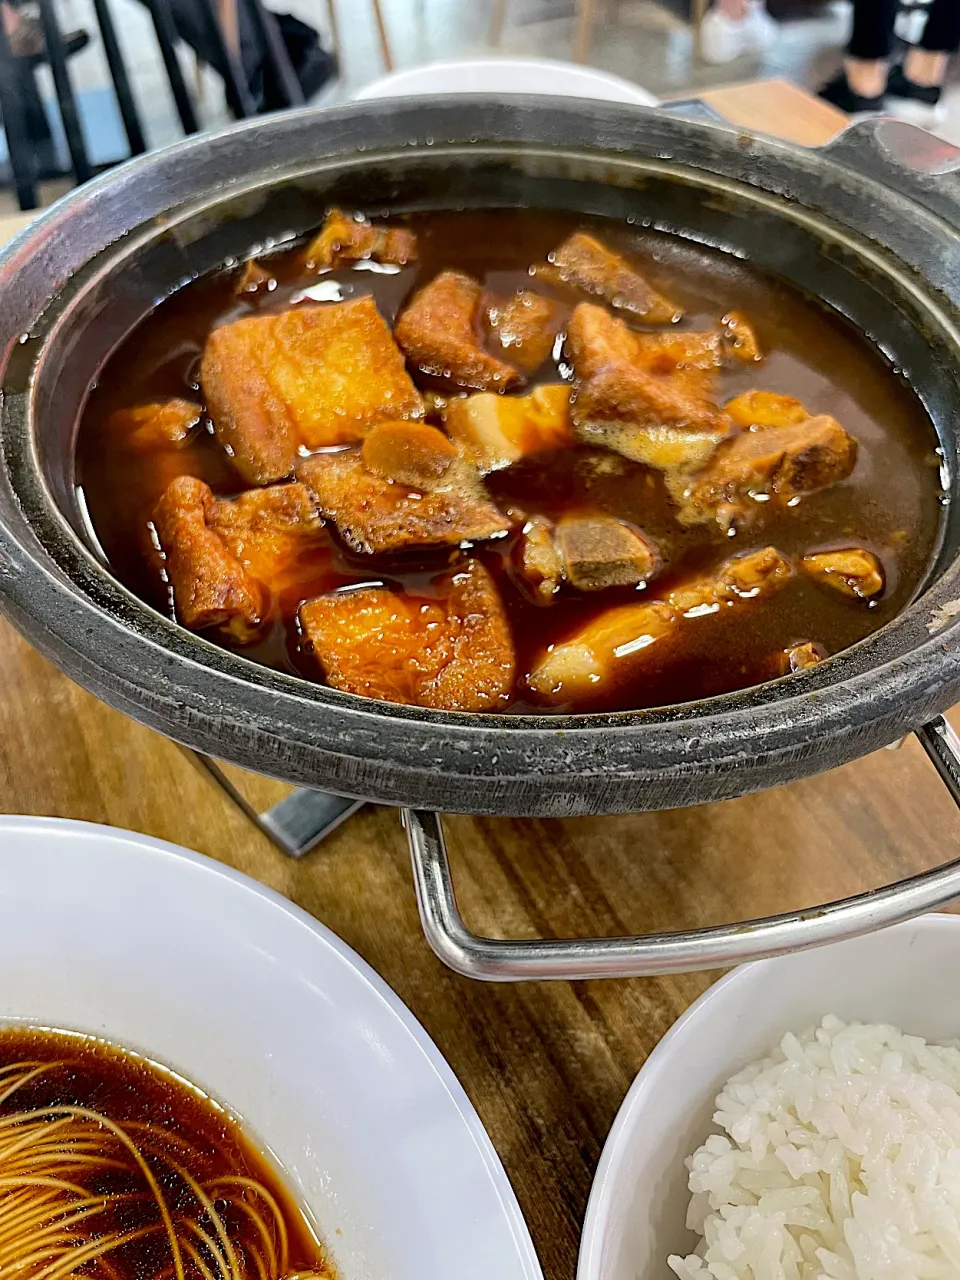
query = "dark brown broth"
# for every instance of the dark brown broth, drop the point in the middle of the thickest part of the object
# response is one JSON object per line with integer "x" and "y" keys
{"x": 186, "y": 1127}
{"x": 890, "y": 504}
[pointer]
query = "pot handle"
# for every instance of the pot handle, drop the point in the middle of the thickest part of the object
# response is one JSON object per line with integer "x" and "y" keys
{"x": 914, "y": 162}
{"x": 568, "y": 959}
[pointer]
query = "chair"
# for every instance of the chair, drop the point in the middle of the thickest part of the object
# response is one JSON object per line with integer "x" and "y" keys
{"x": 29, "y": 142}
{"x": 385, "y": 51}
{"x": 586, "y": 17}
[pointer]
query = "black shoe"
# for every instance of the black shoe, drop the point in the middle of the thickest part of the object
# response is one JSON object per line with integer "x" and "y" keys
{"x": 839, "y": 94}
{"x": 926, "y": 95}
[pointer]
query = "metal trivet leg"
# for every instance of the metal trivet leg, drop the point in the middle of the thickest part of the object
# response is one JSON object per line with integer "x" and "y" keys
{"x": 296, "y": 823}
{"x": 516, "y": 960}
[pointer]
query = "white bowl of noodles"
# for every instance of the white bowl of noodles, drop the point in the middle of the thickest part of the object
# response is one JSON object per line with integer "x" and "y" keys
{"x": 904, "y": 977}
{"x": 163, "y": 953}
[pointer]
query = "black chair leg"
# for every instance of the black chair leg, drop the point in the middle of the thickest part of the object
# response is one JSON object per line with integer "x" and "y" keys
{"x": 239, "y": 98}
{"x": 167, "y": 38}
{"x": 268, "y": 33}
{"x": 18, "y": 142}
{"x": 57, "y": 53}
{"x": 121, "y": 83}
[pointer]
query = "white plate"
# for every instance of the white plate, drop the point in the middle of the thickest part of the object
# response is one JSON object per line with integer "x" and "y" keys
{"x": 508, "y": 75}
{"x": 906, "y": 975}
{"x": 169, "y": 953}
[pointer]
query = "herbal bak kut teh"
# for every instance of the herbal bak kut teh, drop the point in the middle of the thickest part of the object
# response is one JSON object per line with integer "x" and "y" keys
{"x": 510, "y": 462}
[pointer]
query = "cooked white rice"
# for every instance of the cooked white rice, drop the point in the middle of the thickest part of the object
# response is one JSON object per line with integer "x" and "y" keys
{"x": 841, "y": 1159}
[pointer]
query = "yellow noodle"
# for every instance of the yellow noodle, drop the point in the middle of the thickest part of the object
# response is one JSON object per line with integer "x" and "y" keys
{"x": 76, "y": 1258}
{"x": 276, "y": 1268}
{"x": 52, "y": 1227}
{"x": 260, "y": 1190}
{"x": 198, "y": 1261}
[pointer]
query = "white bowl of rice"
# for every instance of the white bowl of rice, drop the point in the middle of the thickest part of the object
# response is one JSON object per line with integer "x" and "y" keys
{"x": 801, "y": 1120}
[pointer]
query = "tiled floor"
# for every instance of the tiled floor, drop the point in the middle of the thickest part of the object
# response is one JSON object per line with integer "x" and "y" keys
{"x": 637, "y": 39}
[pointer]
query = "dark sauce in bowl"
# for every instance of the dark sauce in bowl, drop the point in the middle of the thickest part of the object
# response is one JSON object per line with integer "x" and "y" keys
{"x": 94, "y": 1140}
{"x": 890, "y": 505}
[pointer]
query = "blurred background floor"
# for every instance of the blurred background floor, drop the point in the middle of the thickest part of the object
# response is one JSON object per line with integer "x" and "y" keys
{"x": 645, "y": 41}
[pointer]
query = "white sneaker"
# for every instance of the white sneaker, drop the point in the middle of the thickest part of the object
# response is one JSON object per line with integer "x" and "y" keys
{"x": 723, "y": 39}
{"x": 761, "y": 30}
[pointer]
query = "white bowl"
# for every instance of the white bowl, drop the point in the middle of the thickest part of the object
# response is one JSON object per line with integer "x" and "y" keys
{"x": 168, "y": 953}
{"x": 635, "y": 1218}
{"x": 507, "y": 75}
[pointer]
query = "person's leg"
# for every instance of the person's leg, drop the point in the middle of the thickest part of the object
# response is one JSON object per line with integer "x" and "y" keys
{"x": 860, "y": 85}
{"x": 871, "y": 43}
{"x": 926, "y": 64}
{"x": 915, "y": 87}
{"x": 192, "y": 28}
{"x": 736, "y": 10}
{"x": 312, "y": 64}
{"x": 871, "y": 39}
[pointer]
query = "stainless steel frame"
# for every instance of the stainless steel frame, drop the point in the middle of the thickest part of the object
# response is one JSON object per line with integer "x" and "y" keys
{"x": 567, "y": 959}
{"x": 296, "y": 823}
{"x": 304, "y": 818}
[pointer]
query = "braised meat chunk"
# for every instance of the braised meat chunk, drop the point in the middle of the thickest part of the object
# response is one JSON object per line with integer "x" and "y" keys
{"x": 775, "y": 463}
{"x": 590, "y": 553}
{"x": 765, "y": 409}
{"x": 651, "y": 417}
{"x": 227, "y": 558}
{"x": 163, "y": 425}
{"x": 586, "y": 264}
{"x": 451, "y": 654}
{"x": 600, "y": 552}
{"x": 439, "y": 331}
{"x": 497, "y": 431}
{"x": 801, "y": 656}
{"x": 540, "y": 562}
{"x": 438, "y": 439}
{"x": 689, "y": 359}
{"x": 271, "y": 531}
{"x": 344, "y": 238}
{"x": 618, "y": 644}
{"x": 377, "y": 511}
{"x": 368, "y": 640}
{"x": 604, "y": 652}
{"x": 750, "y": 576}
{"x": 249, "y": 412}
{"x": 211, "y": 588}
{"x": 525, "y": 327}
{"x": 311, "y": 376}
{"x": 854, "y": 572}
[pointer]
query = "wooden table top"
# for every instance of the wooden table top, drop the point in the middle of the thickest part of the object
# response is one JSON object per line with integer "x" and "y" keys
{"x": 546, "y": 1065}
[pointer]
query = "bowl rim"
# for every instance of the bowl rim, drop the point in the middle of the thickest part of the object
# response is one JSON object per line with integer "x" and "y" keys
{"x": 621, "y": 1136}
{"x": 547, "y": 765}
{"x": 59, "y": 829}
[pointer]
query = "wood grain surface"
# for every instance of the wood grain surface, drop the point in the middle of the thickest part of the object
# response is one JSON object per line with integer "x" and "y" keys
{"x": 546, "y": 1065}
{"x": 779, "y": 108}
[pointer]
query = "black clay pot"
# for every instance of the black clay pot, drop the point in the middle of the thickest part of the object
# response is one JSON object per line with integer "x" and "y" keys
{"x": 869, "y": 225}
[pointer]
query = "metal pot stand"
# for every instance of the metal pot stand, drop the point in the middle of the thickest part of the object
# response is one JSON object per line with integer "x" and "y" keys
{"x": 303, "y": 819}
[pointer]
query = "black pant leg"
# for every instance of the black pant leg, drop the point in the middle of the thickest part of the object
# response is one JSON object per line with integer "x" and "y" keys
{"x": 872, "y": 35}
{"x": 192, "y": 28}
{"x": 942, "y": 32}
